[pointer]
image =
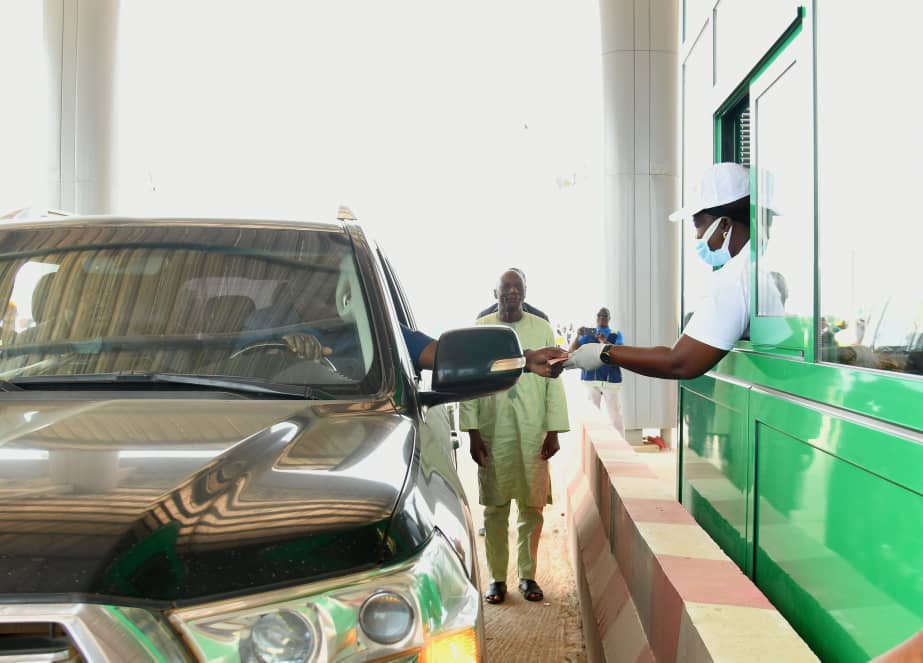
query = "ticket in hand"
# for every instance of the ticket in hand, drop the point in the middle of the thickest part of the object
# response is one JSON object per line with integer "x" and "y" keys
{"x": 557, "y": 360}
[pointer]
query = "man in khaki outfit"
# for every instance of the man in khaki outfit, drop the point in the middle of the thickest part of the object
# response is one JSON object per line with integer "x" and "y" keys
{"x": 513, "y": 434}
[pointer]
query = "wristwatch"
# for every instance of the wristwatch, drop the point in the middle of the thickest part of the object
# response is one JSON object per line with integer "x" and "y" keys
{"x": 604, "y": 354}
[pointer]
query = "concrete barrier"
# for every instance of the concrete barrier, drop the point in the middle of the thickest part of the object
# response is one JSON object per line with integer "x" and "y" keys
{"x": 653, "y": 585}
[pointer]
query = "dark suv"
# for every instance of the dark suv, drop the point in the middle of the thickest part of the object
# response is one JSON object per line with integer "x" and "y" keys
{"x": 215, "y": 447}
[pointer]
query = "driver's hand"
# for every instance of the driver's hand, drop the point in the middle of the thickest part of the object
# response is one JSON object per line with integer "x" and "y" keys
{"x": 306, "y": 346}
{"x": 540, "y": 361}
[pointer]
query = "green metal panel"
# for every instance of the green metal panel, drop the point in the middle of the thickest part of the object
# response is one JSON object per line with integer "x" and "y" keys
{"x": 835, "y": 457}
{"x": 716, "y": 458}
{"x": 892, "y": 398}
{"x": 837, "y": 546}
{"x": 891, "y": 453}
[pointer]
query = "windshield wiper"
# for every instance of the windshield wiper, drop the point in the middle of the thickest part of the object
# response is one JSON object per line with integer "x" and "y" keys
{"x": 9, "y": 386}
{"x": 245, "y": 385}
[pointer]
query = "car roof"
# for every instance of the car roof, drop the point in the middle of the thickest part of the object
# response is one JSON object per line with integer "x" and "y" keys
{"x": 104, "y": 220}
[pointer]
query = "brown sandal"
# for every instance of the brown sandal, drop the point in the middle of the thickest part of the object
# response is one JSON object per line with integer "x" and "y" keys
{"x": 496, "y": 592}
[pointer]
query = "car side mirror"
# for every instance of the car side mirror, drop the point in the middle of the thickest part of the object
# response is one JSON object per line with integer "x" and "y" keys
{"x": 474, "y": 362}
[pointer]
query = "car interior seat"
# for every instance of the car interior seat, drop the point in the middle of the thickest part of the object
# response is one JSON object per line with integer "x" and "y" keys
{"x": 280, "y": 313}
{"x": 42, "y": 311}
{"x": 226, "y": 313}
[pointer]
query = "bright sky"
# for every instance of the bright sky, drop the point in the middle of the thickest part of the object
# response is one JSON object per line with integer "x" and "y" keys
{"x": 465, "y": 136}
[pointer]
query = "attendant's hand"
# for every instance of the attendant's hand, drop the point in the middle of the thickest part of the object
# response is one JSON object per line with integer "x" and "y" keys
{"x": 537, "y": 361}
{"x": 478, "y": 448}
{"x": 586, "y": 357}
{"x": 306, "y": 346}
{"x": 550, "y": 446}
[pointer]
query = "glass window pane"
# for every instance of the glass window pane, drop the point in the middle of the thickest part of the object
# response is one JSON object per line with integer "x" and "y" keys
{"x": 784, "y": 195}
{"x": 744, "y": 31}
{"x": 868, "y": 178}
{"x": 698, "y": 154}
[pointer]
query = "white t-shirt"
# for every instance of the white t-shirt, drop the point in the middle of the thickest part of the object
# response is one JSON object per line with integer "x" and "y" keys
{"x": 722, "y": 317}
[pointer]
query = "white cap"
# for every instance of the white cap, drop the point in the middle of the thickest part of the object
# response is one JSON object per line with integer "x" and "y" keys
{"x": 721, "y": 184}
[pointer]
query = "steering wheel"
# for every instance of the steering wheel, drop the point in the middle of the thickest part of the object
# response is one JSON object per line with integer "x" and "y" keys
{"x": 275, "y": 344}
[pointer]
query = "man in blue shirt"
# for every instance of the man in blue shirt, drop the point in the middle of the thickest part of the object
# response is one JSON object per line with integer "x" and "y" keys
{"x": 606, "y": 381}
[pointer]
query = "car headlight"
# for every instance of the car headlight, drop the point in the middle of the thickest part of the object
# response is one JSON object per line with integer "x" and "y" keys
{"x": 386, "y": 617}
{"x": 425, "y": 610}
{"x": 280, "y": 637}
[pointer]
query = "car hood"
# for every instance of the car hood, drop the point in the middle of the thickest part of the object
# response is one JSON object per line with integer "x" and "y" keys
{"x": 175, "y": 500}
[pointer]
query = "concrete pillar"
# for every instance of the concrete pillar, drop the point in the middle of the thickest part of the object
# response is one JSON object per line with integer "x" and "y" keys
{"x": 640, "y": 65}
{"x": 81, "y": 40}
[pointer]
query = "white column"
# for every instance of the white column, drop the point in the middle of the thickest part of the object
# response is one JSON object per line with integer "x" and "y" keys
{"x": 640, "y": 64}
{"x": 81, "y": 40}
{"x": 54, "y": 46}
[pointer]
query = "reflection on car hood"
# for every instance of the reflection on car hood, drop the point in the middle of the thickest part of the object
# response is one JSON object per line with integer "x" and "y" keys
{"x": 182, "y": 499}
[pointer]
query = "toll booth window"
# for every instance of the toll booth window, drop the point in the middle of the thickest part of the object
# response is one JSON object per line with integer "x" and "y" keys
{"x": 869, "y": 232}
{"x": 784, "y": 194}
{"x": 871, "y": 305}
{"x": 869, "y": 319}
{"x": 769, "y": 128}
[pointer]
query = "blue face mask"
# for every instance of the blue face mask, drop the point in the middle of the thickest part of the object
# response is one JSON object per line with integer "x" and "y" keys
{"x": 708, "y": 256}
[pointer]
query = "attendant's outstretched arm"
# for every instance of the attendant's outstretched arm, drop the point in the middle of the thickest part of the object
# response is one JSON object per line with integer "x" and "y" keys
{"x": 688, "y": 358}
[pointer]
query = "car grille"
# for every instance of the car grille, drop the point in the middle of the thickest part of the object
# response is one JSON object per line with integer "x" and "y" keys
{"x": 84, "y": 632}
{"x": 32, "y": 642}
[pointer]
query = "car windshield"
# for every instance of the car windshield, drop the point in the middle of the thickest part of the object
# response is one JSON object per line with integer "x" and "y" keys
{"x": 252, "y": 303}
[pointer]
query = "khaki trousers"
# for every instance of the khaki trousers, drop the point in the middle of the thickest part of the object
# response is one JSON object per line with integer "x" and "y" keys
{"x": 529, "y": 530}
